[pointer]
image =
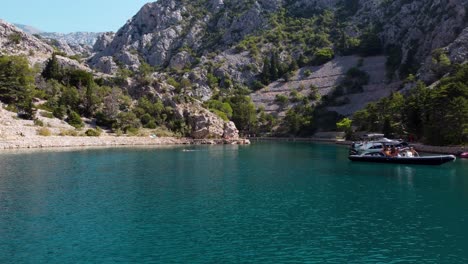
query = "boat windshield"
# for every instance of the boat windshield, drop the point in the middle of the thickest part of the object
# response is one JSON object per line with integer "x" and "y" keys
{"x": 372, "y": 136}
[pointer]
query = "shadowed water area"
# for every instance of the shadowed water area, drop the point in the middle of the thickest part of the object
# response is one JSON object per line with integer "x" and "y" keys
{"x": 264, "y": 203}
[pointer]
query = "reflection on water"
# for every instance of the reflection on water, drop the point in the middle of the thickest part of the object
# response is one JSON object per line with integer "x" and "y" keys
{"x": 405, "y": 174}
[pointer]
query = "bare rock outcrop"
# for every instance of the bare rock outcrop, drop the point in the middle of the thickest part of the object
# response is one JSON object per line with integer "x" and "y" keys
{"x": 456, "y": 52}
{"x": 103, "y": 41}
{"x": 206, "y": 124}
{"x": 66, "y": 62}
{"x": 14, "y": 41}
{"x": 230, "y": 131}
{"x": 181, "y": 60}
{"x": 106, "y": 64}
{"x": 159, "y": 31}
{"x": 74, "y": 38}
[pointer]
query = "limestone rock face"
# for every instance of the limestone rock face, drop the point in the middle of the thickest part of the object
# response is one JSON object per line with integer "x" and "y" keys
{"x": 106, "y": 65}
{"x": 206, "y": 124}
{"x": 103, "y": 41}
{"x": 129, "y": 58}
{"x": 160, "y": 29}
{"x": 444, "y": 23}
{"x": 458, "y": 50}
{"x": 74, "y": 38}
{"x": 63, "y": 46}
{"x": 38, "y": 51}
{"x": 181, "y": 60}
{"x": 163, "y": 32}
{"x": 230, "y": 131}
{"x": 13, "y": 41}
{"x": 65, "y": 63}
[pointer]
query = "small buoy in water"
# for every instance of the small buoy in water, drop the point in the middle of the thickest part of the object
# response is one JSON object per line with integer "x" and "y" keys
{"x": 188, "y": 150}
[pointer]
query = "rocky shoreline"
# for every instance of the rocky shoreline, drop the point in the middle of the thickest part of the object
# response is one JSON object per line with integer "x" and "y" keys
{"x": 108, "y": 141}
{"x": 40, "y": 142}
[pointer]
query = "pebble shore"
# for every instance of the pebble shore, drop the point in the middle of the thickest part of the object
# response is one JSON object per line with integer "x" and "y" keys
{"x": 107, "y": 141}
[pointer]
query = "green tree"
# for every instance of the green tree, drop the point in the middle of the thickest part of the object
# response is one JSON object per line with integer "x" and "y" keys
{"x": 437, "y": 115}
{"x": 243, "y": 112}
{"x": 298, "y": 119}
{"x": 344, "y": 125}
{"x": 127, "y": 121}
{"x": 213, "y": 82}
{"x": 371, "y": 44}
{"x": 52, "y": 69}
{"x": 74, "y": 119}
{"x": 218, "y": 106}
{"x": 17, "y": 84}
{"x": 266, "y": 72}
{"x": 79, "y": 78}
{"x": 91, "y": 100}
{"x": 441, "y": 63}
{"x": 70, "y": 98}
{"x": 323, "y": 55}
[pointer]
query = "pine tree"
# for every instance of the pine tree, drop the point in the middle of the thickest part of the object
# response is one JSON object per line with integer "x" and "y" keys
{"x": 16, "y": 79}
{"x": 274, "y": 68}
{"x": 266, "y": 77}
{"x": 52, "y": 69}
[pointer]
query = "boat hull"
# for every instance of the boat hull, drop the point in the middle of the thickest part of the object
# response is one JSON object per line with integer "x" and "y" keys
{"x": 429, "y": 160}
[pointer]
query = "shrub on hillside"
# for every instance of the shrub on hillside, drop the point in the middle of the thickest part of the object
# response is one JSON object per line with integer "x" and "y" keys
{"x": 44, "y": 131}
{"x": 74, "y": 120}
{"x": 93, "y": 133}
{"x": 324, "y": 55}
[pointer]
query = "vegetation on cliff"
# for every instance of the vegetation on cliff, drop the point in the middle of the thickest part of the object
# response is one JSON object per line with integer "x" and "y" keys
{"x": 436, "y": 115}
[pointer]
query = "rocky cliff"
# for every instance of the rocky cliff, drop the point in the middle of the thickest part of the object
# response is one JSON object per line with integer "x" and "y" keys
{"x": 203, "y": 123}
{"x": 165, "y": 33}
{"x": 161, "y": 30}
{"x": 74, "y": 38}
{"x": 75, "y": 43}
{"x": 14, "y": 41}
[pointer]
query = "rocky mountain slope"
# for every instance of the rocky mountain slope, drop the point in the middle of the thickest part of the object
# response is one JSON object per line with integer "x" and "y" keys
{"x": 232, "y": 41}
{"x": 75, "y": 43}
{"x": 14, "y": 41}
{"x": 162, "y": 31}
{"x": 325, "y": 78}
{"x": 291, "y": 57}
{"x": 75, "y": 38}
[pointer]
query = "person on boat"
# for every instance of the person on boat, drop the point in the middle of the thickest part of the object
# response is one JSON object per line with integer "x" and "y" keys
{"x": 393, "y": 151}
{"x": 414, "y": 152}
{"x": 386, "y": 151}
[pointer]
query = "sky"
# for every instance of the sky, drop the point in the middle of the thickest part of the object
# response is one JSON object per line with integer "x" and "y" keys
{"x": 66, "y": 16}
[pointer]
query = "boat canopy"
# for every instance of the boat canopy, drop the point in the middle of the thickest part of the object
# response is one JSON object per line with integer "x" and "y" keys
{"x": 372, "y": 136}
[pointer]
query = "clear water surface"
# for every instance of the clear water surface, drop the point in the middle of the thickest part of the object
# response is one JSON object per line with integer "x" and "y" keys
{"x": 265, "y": 203}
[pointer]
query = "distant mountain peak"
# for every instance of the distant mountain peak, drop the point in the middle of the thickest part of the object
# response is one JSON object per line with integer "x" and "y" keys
{"x": 73, "y": 38}
{"x": 28, "y": 29}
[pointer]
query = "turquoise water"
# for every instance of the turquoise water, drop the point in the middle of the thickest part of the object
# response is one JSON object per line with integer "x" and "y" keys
{"x": 265, "y": 203}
